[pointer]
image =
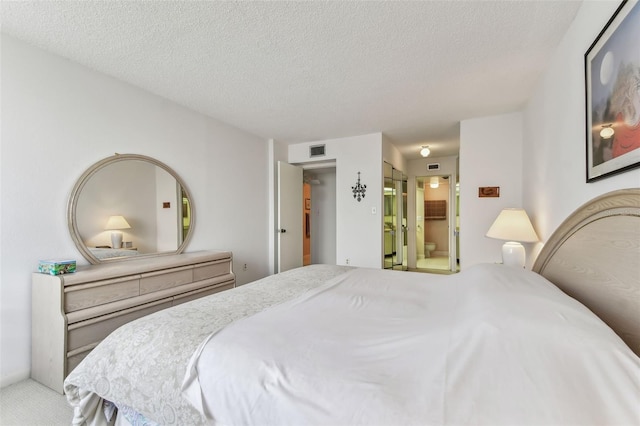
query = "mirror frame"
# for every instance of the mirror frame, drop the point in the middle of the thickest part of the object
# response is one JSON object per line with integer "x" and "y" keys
{"x": 77, "y": 189}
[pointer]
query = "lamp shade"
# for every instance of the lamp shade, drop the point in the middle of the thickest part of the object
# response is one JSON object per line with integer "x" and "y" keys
{"x": 117, "y": 222}
{"x": 434, "y": 182}
{"x": 513, "y": 225}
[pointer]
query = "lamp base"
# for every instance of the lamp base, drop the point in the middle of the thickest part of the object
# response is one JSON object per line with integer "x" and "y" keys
{"x": 116, "y": 239}
{"x": 513, "y": 254}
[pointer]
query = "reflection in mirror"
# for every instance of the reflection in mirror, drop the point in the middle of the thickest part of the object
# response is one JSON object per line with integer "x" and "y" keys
{"x": 128, "y": 206}
{"x": 395, "y": 218}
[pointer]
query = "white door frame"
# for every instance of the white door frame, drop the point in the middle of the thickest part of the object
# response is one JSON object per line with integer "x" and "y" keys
{"x": 451, "y": 218}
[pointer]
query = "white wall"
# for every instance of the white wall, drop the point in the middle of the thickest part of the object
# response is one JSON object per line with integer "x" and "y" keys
{"x": 539, "y": 158}
{"x": 58, "y": 118}
{"x": 392, "y": 155}
{"x": 358, "y": 230}
{"x": 490, "y": 155}
{"x": 554, "y": 130}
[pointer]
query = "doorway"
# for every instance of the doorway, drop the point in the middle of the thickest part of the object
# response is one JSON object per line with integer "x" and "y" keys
{"x": 305, "y": 218}
{"x": 321, "y": 207}
{"x": 436, "y": 232}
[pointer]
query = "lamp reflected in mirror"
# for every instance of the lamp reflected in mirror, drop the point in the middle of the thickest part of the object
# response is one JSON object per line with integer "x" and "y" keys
{"x": 115, "y": 224}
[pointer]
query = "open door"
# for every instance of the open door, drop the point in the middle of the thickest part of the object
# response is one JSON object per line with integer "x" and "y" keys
{"x": 289, "y": 216}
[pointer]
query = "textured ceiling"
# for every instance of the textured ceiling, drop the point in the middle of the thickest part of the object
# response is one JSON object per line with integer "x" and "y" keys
{"x": 303, "y": 71}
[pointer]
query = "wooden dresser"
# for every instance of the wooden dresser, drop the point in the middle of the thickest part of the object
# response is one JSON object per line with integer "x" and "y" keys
{"x": 72, "y": 313}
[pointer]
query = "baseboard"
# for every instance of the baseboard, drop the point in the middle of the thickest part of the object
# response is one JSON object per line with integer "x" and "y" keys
{"x": 14, "y": 378}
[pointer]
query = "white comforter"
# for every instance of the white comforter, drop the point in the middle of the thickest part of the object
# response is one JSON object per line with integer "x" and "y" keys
{"x": 491, "y": 345}
{"x": 141, "y": 365}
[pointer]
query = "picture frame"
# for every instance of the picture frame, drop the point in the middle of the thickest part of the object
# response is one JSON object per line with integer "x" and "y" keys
{"x": 612, "y": 89}
{"x": 489, "y": 191}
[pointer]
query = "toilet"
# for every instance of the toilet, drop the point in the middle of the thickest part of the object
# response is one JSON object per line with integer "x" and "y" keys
{"x": 428, "y": 248}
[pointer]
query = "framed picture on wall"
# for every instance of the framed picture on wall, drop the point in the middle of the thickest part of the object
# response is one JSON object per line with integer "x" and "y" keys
{"x": 612, "y": 83}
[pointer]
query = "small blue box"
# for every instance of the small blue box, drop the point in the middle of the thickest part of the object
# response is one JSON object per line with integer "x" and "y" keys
{"x": 57, "y": 266}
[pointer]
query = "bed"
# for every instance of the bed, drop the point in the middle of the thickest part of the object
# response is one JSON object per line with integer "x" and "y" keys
{"x": 341, "y": 345}
{"x": 109, "y": 253}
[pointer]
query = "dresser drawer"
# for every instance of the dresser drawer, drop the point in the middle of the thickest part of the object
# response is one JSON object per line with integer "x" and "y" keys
{"x": 211, "y": 269}
{"x": 72, "y": 313}
{"x": 165, "y": 279}
{"x": 100, "y": 292}
{"x": 94, "y": 330}
{"x": 196, "y": 294}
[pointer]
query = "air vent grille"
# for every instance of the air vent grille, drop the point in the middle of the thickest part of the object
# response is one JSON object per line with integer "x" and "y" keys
{"x": 433, "y": 166}
{"x": 316, "y": 151}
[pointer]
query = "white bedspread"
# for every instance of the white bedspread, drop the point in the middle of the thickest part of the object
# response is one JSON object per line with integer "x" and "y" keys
{"x": 489, "y": 346}
{"x": 140, "y": 366}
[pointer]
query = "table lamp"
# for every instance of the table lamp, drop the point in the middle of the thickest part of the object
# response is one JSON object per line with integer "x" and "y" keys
{"x": 514, "y": 226}
{"x": 115, "y": 223}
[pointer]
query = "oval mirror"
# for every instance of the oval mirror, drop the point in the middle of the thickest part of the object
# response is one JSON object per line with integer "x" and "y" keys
{"x": 127, "y": 206}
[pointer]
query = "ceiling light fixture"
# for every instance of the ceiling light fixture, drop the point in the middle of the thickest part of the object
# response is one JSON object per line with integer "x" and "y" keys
{"x": 425, "y": 151}
{"x": 434, "y": 182}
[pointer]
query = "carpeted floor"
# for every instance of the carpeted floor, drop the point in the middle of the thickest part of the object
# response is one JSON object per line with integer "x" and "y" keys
{"x": 28, "y": 403}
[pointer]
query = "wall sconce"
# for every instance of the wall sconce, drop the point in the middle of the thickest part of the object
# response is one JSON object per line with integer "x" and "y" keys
{"x": 425, "y": 151}
{"x": 434, "y": 182}
{"x": 607, "y": 131}
{"x": 115, "y": 223}
{"x": 358, "y": 190}
{"x": 514, "y": 226}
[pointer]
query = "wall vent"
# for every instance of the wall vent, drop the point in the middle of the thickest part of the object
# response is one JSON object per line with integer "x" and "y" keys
{"x": 433, "y": 166}
{"x": 316, "y": 151}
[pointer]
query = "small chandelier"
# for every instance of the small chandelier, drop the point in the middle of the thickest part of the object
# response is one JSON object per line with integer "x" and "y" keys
{"x": 358, "y": 190}
{"x": 425, "y": 151}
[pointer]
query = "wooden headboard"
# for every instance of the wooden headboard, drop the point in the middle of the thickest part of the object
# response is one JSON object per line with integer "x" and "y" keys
{"x": 594, "y": 256}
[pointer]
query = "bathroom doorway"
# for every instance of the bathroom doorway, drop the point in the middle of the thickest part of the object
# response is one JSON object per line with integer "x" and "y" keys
{"x": 436, "y": 229}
